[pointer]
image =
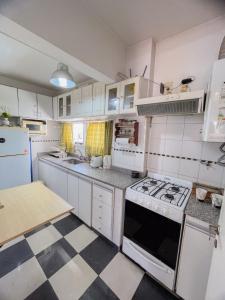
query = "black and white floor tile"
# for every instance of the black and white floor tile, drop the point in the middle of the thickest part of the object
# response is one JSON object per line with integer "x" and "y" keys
{"x": 66, "y": 260}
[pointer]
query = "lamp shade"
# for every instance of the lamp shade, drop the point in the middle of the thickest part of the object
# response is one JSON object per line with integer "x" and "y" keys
{"x": 62, "y": 78}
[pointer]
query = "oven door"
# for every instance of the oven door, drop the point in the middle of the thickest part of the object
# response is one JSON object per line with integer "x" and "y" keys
{"x": 156, "y": 234}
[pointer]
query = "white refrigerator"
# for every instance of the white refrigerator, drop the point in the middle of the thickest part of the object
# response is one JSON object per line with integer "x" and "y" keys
{"x": 14, "y": 157}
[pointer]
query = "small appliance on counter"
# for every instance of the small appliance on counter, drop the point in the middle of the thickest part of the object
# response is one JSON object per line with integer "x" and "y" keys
{"x": 96, "y": 161}
{"x": 36, "y": 127}
{"x": 58, "y": 152}
{"x": 107, "y": 162}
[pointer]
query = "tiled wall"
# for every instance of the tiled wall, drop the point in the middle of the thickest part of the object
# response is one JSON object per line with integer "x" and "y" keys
{"x": 175, "y": 148}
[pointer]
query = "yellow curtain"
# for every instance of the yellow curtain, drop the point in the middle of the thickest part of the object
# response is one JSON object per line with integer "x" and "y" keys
{"x": 66, "y": 140}
{"x": 99, "y": 138}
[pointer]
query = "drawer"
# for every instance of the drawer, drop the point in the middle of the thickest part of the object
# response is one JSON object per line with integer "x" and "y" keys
{"x": 96, "y": 224}
{"x": 102, "y": 194}
{"x": 97, "y": 208}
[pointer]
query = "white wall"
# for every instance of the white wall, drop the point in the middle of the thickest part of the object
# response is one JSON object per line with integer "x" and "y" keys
{"x": 70, "y": 26}
{"x": 138, "y": 56}
{"x": 190, "y": 53}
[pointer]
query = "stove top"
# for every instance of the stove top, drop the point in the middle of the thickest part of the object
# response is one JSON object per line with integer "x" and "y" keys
{"x": 169, "y": 192}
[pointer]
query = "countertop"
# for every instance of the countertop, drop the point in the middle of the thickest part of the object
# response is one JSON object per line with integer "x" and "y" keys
{"x": 111, "y": 177}
{"x": 203, "y": 211}
{"x": 23, "y": 209}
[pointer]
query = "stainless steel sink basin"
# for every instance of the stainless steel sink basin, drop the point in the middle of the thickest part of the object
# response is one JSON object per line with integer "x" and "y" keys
{"x": 74, "y": 161}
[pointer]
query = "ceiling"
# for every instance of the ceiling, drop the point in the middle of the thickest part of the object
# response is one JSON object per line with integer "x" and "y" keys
{"x": 23, "y": 63}
{"x": 137, "y": 20}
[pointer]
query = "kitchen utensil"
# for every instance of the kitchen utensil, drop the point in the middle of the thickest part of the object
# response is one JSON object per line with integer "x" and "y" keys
{"x": 201, "y": 194}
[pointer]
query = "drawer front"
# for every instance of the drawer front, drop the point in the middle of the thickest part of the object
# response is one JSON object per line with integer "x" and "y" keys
{"x": 97, "y": 224}
{"x": 102, "y": 194}
{"x": 97, "y": 209}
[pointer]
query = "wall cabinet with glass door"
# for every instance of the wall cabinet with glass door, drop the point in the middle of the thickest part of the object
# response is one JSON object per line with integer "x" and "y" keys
{"x": 64, "y": 106}
{"x": 120, "y": 97}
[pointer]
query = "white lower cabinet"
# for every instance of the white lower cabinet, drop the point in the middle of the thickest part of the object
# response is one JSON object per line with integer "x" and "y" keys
{"x": 85, "y": 199}
{"x": 72, "y": 193}
{"x": 102, "y": 211}
{"x": 98, "y": 205}
{"x": 54, "y": 178}
{"x": 195, "y": 260}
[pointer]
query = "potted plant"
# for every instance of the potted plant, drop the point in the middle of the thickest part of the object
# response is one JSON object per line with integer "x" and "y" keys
{"x": 4, "y": 118}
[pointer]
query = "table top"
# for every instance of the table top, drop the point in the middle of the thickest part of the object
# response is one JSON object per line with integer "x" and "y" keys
{"x": 26, "y": 207}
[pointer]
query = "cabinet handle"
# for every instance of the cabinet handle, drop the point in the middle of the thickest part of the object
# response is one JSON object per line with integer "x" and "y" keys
{"x": 215, "y": 242}
{"x": 100, "y": 218}
{"x": 100, "y": 206}
{"x": 100, "y": 196}
{"x": 99, "y": 228}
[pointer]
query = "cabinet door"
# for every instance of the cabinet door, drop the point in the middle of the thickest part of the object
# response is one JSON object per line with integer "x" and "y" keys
{"x": 129, "y": 93}
{"x": 112, "y": 105}
{"x": 76, "y": 103}
{"x": 61, "y": 106}
{"x": 44, "y": 107}
{"x": 44, "y": 172}
{"x": 195, "y": 259}
{"x": 9, "y": 100}
{"x": 98, "y": 105}
{"x": 72, "y": 196}
{"x": 86, "y": 100}
{"x": 68, "y": 102}
{"x": 59, "y": 182}
{"x": 55, "y": 108}
{"x": 84, "y": 200}
{"x": 27, "y": 104}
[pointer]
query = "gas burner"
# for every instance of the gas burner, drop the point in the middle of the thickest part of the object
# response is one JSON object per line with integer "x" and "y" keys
{"x": 175, "y": 189}
{"x": 145, "y": 188}
{"x": 169, "y": 196}
{"x": 154, "y": 182}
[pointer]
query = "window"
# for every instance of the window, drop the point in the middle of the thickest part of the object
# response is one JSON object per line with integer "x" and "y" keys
{"x": 78, "y": 133}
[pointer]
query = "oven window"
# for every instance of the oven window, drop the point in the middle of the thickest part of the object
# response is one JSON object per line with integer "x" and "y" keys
{"x": 154, "y": 233}
{"x": 33, "y": 127}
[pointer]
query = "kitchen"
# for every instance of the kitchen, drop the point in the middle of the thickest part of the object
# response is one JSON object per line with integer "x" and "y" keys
{"x": 112, "y": 188}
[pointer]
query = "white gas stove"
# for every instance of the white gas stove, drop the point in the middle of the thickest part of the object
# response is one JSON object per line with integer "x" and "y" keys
{"x": 154, "y": 211}
{"x": 164, "y": 195}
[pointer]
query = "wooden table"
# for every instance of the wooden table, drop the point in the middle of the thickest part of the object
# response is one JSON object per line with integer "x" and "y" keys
{"x": 26, "y": 207}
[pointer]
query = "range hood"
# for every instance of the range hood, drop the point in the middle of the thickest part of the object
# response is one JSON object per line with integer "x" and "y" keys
{"x": 173, "y": 104}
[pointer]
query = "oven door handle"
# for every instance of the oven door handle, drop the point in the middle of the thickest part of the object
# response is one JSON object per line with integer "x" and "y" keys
{"x": 149, "y": 260}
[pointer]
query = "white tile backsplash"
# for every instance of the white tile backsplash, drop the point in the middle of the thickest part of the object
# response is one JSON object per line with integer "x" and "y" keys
{"x": 189, "y": 168}
{"x": 171, "y": 165}
{"x": 210, "y": 151}
{"x": 173, "y": 147}
{"x": 192, "y": 149}
{"x": 182, "y": 136}
{"x": 192, "y": 132}
{"x": 211, "y": 175}
{"x": 174, "y": 131}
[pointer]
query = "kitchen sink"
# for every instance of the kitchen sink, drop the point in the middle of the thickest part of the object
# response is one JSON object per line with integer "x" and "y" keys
{"x": 74, "y": 161}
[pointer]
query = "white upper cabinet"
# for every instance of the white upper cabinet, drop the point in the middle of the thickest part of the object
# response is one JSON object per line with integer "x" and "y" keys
{"x": 55, "y": 108}
{"x": 45, "y": 107}
{"x": 76, "y": 103}
{"x": 120, "y": 97}
{"x": 98, "y": 104}
{"x": 112, "y": 105}
{"x": 28, "y": 107}
{"x": 86, "y": 100}
{"x": 64, "y": 105}
{"x": 9, "y": 100}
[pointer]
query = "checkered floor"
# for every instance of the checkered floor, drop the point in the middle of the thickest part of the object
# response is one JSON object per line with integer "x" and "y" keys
{"x": 66, "y": 260}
